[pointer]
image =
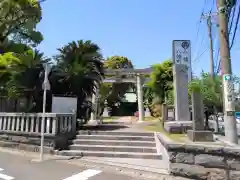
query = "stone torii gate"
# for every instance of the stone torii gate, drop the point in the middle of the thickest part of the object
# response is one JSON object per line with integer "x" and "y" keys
{"x": 132, "y": 76}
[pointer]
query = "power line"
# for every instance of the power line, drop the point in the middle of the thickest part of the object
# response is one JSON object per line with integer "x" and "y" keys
{"x": 197, "y": 56}
{"x": 232, "y": 19}
{"x": 199, "y": 25}
{"x": 236, "y": 27}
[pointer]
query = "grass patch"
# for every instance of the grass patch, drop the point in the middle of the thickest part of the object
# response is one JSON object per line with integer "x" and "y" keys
{"x": 110, "y": 119}
{"x": 151, "y": 118}
{"x": 157, "y": 127}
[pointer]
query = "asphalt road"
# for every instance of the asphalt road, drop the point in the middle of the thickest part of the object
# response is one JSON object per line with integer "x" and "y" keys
{"x": 15, "y": 167}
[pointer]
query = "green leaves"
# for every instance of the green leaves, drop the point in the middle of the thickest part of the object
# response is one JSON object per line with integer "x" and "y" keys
{"x": 78, "y": 67}
{"x": 118, "y": 62}
{"x": 18, "y": 20}
{"x": 8, "y": 59}
{"x": 162, "y": 80}
{"x": 114, "y": 92}
{"x": 211, "y": 91}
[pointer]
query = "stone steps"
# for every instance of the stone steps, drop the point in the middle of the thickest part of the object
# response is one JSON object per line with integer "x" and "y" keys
{"x": 76, "y": 153}
{"x": 119, "y": 133}
{"x": 113, "y": 142}
{"x": 85, "y": 147}
{"x": 116, "y": 137}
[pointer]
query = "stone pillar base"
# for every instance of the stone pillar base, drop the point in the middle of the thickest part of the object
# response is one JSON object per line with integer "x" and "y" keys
{"x": 92, "y": 123}
{"x": 177, "y": 127}
{"x": 203, "y": 136}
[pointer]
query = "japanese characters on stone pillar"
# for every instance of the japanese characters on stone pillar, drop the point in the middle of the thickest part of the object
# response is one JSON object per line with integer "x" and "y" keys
{"x": 182, "y": 75}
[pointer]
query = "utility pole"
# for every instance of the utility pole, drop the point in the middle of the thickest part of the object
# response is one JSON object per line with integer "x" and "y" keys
{"x": 209, "y": 23}
{"x": 228, "y": 89}
{"x": 208, "y": 16}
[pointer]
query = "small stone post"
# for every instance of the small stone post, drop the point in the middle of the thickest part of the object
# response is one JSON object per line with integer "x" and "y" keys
{"x": 147, "y": 112}
{"x": 105, "y": 111}
{"x": 164, "y": 112}
{"x": 198, "y": 133}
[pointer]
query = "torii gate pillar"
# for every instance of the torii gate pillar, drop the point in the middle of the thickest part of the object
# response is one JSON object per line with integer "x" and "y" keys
{"x": 140, "y": 98}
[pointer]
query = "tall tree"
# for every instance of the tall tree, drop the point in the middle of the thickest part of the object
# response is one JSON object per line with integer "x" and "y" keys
{"x": 161, "y": 82}
{"x": 18, "y": 20}
{"x": 22, "y": 74}
{"x": 114, "y": 92}
{"x": 78, "y": 70}
{"x": 212, "y": 95}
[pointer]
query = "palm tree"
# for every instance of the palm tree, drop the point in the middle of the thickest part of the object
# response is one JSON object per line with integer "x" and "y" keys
{"x": 78, "y": 71}
{"x": 31, "y": 76}
{"x": 20, "y": 74}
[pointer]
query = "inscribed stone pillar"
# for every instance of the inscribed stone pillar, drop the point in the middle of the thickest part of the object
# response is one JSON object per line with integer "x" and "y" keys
{"x": 181, "y": 76}
{"x": 198, "y": 133}
{"x": 197, "y": 111}
{"x": 180, "y": 80}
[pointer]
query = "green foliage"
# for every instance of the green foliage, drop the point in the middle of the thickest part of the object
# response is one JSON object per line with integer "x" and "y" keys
{"x": 21, "y": 72}
{"x": 18, "y": 20}
{"x": 78, "y": 71}
{"x": 105, "y": 91}
{"x": 8, "y": 59}
{"x": 78, "y": 65}
{"x": 115, "y": 92}
{"x": 161, "y": 82}
{"x": 118, "y": 62}
{"x": 211, "y": 91}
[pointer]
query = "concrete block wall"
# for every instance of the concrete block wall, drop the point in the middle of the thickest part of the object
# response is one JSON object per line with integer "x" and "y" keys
{"x": 32, "y": 142}
{"x": 201, "y": 161}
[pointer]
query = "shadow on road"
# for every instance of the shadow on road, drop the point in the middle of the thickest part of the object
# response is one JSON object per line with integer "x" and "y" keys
{"x": 103, "y": 127}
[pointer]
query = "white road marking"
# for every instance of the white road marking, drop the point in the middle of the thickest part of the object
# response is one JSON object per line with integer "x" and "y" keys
{"x": 5, "y": 177}
{"x": 84, "y": 175}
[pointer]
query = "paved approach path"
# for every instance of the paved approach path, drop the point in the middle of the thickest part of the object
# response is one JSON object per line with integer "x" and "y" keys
{"x": 15, "y": 167}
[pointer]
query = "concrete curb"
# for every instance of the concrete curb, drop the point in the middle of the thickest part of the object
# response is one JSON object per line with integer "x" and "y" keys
{"x": 136, "y": 172}
{"x": 157, "y": 144}
{"x": 119, "y": 168}
{"x": 217, "y": 138}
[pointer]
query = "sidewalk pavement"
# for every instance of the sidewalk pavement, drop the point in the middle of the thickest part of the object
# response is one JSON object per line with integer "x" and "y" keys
{"x": 13, "y": 166}
{"x": 19, "y": 164}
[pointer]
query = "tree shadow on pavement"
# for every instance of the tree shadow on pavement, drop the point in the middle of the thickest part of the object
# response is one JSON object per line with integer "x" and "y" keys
{"x": 103, "y": 127}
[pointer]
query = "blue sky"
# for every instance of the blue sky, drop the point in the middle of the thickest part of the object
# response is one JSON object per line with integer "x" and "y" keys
{"x": 139, "y": 29}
